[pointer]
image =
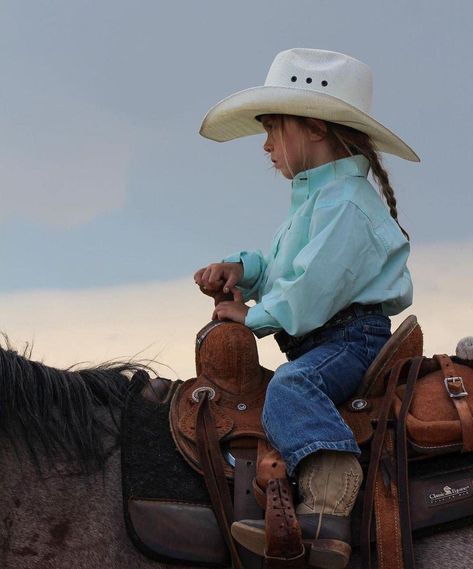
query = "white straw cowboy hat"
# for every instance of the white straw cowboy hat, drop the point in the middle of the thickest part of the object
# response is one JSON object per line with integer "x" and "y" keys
{"x": 310, "y": 83}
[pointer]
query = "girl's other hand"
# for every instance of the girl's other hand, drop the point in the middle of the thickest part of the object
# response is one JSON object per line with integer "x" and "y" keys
{"x": 235, "y": 309}
{"x": 219, "y": 277}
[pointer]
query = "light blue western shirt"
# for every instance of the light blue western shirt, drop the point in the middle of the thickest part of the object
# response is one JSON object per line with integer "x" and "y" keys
{"x": 338, "y": 245}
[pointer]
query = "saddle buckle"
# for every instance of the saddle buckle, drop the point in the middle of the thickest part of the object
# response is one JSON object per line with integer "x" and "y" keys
{"x": 455, "y": 387}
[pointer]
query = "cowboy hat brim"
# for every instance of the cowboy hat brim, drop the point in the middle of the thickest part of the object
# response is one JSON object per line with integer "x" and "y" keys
{"x": 235, "y": 116}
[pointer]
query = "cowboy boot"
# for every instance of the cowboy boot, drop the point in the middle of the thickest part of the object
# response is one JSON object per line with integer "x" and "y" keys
{"x": 329, "y": 482}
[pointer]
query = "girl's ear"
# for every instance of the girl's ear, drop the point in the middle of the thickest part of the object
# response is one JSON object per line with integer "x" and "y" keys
{"x": 317, "y": 129}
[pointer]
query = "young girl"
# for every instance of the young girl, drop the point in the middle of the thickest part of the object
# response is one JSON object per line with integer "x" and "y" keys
{"x": 335, "y": 271}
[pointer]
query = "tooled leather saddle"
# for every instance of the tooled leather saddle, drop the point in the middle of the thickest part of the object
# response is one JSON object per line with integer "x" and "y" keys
{"x": 214, "y": 421}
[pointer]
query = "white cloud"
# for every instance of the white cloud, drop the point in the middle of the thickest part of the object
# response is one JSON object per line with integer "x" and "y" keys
{"x": 443, "y": 294}
{"x": 160, "y": 320}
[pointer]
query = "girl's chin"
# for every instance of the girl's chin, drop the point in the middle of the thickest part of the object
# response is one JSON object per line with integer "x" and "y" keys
{"x": 285, "y": 173}
{"x": 282, "y": 170}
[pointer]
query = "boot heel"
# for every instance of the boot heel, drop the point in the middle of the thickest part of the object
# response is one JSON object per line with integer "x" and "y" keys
{"x": 329, "y": 554}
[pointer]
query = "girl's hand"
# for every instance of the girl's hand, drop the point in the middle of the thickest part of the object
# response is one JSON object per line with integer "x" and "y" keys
{"x": 235, "y": 309}
{"x": 219, "y": 277}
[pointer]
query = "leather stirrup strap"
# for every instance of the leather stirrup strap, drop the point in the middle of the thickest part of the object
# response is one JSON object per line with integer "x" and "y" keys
{"x": 283, "y": 536}
{"x": 376, "y": 450}
{"x": 214, "y": 475}
{"x": 270, "y": 465}
{"x": 456, "y": 390}
{"x": 386, "y": 507}
{"x": 402, "y": 465}
{"x": 245, "y": 505}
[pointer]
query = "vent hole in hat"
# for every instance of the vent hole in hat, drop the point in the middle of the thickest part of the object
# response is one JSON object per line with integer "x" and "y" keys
{"x": 324, "y": 83}
{"x": 293, "y": 78}
{"x": 308, "y": 80}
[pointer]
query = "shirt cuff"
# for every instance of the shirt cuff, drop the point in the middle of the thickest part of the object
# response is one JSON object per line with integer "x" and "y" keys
{"x": 260, "y": 321}
{"x": 251, "y": 267}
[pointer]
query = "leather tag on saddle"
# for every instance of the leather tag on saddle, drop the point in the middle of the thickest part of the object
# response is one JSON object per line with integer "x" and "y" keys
{"x": 229, "y": 374}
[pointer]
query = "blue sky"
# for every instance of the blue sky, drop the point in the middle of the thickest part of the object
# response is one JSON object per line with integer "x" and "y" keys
{"x": 104, "y": 179}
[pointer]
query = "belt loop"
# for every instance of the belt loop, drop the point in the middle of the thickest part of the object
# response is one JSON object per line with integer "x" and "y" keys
{"x": 358, "y": 310}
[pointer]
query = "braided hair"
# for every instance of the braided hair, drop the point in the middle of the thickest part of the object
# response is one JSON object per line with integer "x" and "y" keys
{"x": 347, "y": 141}
{"x": 356, "y": 142}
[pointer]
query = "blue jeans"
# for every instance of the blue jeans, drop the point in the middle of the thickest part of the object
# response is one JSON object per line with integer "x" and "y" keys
{"x": 299, "y": 413}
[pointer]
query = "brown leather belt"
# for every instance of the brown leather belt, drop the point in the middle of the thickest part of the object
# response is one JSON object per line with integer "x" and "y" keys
{"x": 288, "y": 343}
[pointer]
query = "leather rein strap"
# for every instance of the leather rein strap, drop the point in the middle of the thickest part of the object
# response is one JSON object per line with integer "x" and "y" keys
{"x": 402, "y": 465}
{"x": 376, "y": 450}
{"x": 373, "y": 478}
{"x": 214, "y": 475}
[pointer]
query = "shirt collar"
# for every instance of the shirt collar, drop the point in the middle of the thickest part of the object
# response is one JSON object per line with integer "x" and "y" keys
{"x": 308, "y": 182}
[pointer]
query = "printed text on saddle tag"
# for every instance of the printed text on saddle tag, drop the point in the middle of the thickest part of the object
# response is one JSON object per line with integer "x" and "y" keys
{"x": 441, "y": 494}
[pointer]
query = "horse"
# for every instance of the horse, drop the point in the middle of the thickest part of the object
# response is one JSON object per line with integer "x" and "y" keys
{"x": 60, "y": 473}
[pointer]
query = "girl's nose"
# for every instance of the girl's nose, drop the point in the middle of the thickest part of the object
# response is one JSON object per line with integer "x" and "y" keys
{"x": 267, "y": 146}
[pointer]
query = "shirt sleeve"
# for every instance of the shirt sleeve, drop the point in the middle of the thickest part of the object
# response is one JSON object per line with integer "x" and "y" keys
{"x": 343, "y": 255}
{"x": 254, "y": 266}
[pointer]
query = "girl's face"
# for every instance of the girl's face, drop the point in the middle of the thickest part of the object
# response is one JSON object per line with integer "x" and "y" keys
{"x": 286, "y": 143}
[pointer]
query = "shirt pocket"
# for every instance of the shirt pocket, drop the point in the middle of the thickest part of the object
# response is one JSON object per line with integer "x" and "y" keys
{"x": 294, "y": 238}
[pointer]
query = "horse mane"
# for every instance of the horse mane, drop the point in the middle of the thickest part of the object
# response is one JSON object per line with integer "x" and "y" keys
{"x": 62, "y": 414}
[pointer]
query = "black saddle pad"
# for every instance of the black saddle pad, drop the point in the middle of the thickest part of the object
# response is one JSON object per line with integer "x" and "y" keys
{"x": 166, "y": 504}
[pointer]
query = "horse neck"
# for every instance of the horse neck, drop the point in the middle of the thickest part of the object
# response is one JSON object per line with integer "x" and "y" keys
{"x": 56, "y": 512}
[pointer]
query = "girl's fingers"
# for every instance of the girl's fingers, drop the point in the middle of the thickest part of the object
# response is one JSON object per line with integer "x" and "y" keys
{"x": 204, "y": 279}
{"x": 198, "y": 276}
{"x": 220, "y": 311}
{"x": 231, "y": 282}
{"x": 215, "y": 276}
{"x": 207, "y": 279}
{"x": 234, "y": 277}
{"x": 237, "y": 295}
{"x": 218, "y": 276}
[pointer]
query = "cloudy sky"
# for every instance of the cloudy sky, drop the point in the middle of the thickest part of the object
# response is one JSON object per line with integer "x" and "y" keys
{"x": 109, "y": 198}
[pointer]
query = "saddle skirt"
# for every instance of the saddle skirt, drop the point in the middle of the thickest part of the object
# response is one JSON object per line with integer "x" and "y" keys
{"x": 229, "y": 374}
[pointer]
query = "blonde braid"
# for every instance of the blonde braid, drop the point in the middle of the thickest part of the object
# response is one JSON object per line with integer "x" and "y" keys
{"x": 356, "y": 142}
